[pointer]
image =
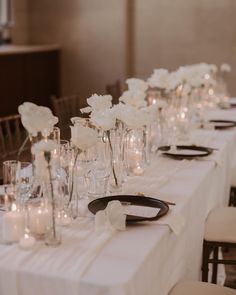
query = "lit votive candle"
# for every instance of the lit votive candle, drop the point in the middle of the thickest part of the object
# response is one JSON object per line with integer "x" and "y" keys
{"x": 135, "y": 160}
{"x": 63, "y": 219}
{"x": 39, "y": 220}
{"x": 13, "y": 224}
{"x": 27, "y": 242}
{"x": 138, "y": 171}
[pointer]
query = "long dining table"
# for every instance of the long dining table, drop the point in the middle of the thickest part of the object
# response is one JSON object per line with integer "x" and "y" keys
{"x": 146, "y": 258}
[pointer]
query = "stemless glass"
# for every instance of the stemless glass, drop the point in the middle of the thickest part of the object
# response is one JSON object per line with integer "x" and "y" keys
{"x": 25, "y": 179}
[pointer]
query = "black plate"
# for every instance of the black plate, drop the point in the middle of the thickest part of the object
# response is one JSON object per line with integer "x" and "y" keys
{"x": 223, "y": 124}
{"x": 166, "y": 151}
{"x": 101, "y": 204}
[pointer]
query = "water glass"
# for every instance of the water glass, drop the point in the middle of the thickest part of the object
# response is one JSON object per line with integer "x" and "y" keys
{"x": 97, "y": 183}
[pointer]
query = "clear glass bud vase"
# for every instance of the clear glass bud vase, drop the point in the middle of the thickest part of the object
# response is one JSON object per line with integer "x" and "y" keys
{"x": 116, "y": 142}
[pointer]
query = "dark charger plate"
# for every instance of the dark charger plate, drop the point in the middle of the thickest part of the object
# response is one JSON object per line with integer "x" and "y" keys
{"x": 223, "y": 124}
{"x": 101, "y": 204}
{"x": 204, "y": 151}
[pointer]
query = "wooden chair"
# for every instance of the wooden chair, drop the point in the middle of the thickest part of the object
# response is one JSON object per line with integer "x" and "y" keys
{"x": 12, "y": 135}
{"x": 200, "y": 288}
{"x": 220, "y": 231}
{"x": 115, "y": 91}
{"x": 65, "y": 108}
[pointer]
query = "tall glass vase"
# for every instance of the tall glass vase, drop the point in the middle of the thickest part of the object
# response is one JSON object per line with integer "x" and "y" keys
{"x": 116, "y": 142}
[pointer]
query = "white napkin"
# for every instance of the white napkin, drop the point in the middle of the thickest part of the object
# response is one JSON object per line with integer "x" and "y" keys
{"x": 174, "y": 220}
{"x": 110, "y": 219}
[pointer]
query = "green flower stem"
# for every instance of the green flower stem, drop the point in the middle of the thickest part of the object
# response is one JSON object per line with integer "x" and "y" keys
{"x": 113, "y": 169}
{"x": 22, "y": 148}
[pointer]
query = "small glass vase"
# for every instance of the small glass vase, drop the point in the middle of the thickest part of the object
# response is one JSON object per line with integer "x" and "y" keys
{"x": 53, "y": 234}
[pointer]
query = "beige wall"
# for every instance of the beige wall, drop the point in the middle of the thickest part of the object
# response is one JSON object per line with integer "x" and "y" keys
{"x": 173, "y": 33}
{"x": 20, "y": 32}
{"x": 92, "y": 33}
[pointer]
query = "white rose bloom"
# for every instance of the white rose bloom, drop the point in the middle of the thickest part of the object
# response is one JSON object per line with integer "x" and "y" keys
{"x": 135, "y": 84}
{"x": 225, "y": 68}
{"x": 36, "y": 118}
{"x": 213, "y": 68}
{"x": 98, "y": 103}
{"x": 132, "y": 117}
{"x": 174, "y": 81}
{"x": 159, "y": 78}
{"x": 83, "y": 137}
{"x": 105, "y": 119}
{"x": 134, "y": 98}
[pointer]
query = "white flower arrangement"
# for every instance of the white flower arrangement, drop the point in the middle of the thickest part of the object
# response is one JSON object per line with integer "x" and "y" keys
{"x": 104, "y": 120}
{"x": 83, "y": 137}
{"x": 225, "y": 68}
{"x": 159, "y": 79}
{"x": 132, "y": 117}
{"x": 135, "y": 98}
{"x": 138, "y": 85}
{"x": 98, "y": 103}
{"x": 101, "y": 113}
{"x": 36, "y": 118}
{"x": 175, "y": 79}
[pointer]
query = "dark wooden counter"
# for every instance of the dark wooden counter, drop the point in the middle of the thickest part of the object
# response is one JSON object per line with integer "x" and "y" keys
{"x": 28, "y": 73}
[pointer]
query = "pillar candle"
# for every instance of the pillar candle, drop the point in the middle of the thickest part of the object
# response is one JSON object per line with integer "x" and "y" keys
{"x": 13, "y": 224}
{"x": 39, "y": 219}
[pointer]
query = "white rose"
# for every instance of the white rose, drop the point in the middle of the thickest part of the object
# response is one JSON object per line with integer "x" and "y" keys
{"x": 132, "y": 117}
{"x": 36, "y": 118}
{"x": 159, "y": 79}
{"x": 98, "y": 103}
{"x": 175, "y": 79}
{"x": 105, "y": 119}
{"x": 225, "y": 68}
{"x": 134, "y": 98}
{"x": 83, "y": 137}
{"x": 135, "y": 84}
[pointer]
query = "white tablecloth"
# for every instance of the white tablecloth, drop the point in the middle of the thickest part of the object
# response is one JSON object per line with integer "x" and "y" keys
{"x": 144, "y": 259}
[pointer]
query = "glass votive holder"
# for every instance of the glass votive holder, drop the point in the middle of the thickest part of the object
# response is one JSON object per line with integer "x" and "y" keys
{"x": 97, "y": 184}
{"x": 13, "y": 225}
{"x": 39, "y": 218}
{"x": 53, "y": 235}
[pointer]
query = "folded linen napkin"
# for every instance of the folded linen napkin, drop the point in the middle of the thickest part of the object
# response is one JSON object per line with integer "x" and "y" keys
{"x": 110, "y": 219}
{"x": 174, "y": 220}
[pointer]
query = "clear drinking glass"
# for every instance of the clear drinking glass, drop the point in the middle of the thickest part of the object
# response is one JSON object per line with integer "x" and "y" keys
{"x": 11, "y": 171}
{"x": 97, "y": 183}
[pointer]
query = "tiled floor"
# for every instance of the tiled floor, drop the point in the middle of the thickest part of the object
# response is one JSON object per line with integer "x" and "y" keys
{"x": 230, "y": 269}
